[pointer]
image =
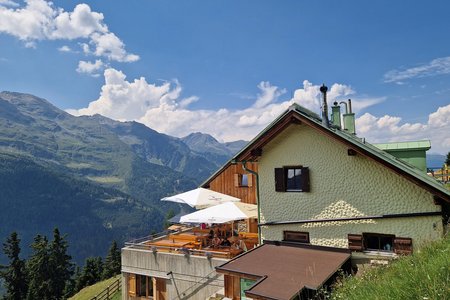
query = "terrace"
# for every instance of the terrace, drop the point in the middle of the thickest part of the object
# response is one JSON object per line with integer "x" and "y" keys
{"x": 195, "y": 241}
{"x": 180, "y": 262}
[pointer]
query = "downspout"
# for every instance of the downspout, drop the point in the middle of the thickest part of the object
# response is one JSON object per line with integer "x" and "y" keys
{"x": 244, "y": 163}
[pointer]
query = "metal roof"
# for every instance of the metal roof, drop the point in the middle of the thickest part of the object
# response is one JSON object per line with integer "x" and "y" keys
{"x": 411, "y": 145}
{"x": 299, "y": 113}
{"x": 284, "y": 269}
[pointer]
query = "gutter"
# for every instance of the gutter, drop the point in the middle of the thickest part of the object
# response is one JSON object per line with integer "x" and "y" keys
{"x": 258, "y": 207}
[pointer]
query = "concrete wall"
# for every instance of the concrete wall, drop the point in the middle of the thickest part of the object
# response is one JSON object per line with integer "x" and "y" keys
{"x": 341, "y": 186}
{"x": 187, "y": 279}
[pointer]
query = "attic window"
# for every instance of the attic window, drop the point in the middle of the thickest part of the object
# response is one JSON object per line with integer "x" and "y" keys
{"x": 243, "y": 180}
{"x": 292, "y": 179}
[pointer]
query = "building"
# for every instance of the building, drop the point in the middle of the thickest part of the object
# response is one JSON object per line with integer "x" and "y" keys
{"x": 321, "y": 189}
{"x": 164, "y": 268}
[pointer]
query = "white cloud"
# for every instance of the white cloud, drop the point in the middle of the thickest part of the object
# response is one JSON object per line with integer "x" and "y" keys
{"x": 161, "y": 107}
{"x": 269, "y": 94}
{"x": 438, "y": 66}
{"x": 89, "y": 67}
{"x": 65, "y": 48}
{"x": 41, "y": 20}
{"x": 8, "y": 3}
{"x": 391, "y": 129}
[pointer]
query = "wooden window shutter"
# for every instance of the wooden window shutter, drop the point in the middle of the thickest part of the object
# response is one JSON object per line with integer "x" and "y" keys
{"x": 132, "y": 285}
{"x": 279, "y": 180}
{"x": 355, "y": 242}
{"x": 305, "y": 180}
{"x": 160, "y": 288}
{"x": 250, "y": 180}
{"x": 403, "y": 246}
{"x": 236, "y": 180}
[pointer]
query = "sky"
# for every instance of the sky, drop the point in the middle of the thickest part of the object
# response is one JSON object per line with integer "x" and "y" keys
{"x": 228, "y": 68}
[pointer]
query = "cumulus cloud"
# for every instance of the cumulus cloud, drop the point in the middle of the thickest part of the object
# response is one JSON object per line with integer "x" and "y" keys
{"x": 391, "y": 129}
{"x": 65, "y": 48}
{"x": 90, "y": 67}
{"x": 438, "y": 66}
{"x": 40, "y": 20}
{"x": 161, "y": 107}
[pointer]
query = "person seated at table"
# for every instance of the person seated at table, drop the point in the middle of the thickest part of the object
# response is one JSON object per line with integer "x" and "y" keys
{"x": 225, "y": 242}
{"x": 216, "y": 241}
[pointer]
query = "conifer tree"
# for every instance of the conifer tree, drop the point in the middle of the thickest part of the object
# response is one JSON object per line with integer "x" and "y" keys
{"x": 60, "y": 265}
{"x": 112, "y": 263}
{"x": 14, "y": 275}
{"x": 38, "y": 271}
{"x": 91, "y": 273}
{"x": 447, "y": 159}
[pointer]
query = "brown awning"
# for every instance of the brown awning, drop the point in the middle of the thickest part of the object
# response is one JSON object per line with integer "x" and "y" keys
{"x": 284, "y": 269}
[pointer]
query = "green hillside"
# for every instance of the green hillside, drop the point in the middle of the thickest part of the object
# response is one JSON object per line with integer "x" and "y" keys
{"x": 425, "y": 275}
{"x": 35, "y": 199}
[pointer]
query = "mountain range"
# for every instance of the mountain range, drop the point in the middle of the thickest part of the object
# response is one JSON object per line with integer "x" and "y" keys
{"x": 95, "y": 178}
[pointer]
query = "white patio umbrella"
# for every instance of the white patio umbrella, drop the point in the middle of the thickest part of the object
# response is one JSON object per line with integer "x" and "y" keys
{"x": 201, "y": 198}
{"x": 222, "y": 213}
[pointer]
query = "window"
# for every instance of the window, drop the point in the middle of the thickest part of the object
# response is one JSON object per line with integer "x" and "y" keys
{"x": 292, "y": 179}
{"x": 243, "y": 180}
{"x": 296, "y": 236}
{"x": 140, "y": 286}
{"x": 380, "y": 242}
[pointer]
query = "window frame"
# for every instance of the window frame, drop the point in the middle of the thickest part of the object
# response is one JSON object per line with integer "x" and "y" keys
{"x": 379, "y": 236}
{"x": 281, "y": 179}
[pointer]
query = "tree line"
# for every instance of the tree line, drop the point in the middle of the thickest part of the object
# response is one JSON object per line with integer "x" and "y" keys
{"x": 49, "y": 272}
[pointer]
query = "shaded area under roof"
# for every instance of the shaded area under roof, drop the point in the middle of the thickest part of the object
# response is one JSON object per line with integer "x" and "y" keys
{"x": 285, "y": 269}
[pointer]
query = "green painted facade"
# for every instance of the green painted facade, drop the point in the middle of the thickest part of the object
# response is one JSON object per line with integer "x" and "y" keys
{"x": 414, "y": 153}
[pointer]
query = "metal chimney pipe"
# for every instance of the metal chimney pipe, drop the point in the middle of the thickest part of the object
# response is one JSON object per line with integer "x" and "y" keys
{"x": 323, "y": 90}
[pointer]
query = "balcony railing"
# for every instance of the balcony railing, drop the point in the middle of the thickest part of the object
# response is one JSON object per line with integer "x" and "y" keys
{"x": 185, "y": 242}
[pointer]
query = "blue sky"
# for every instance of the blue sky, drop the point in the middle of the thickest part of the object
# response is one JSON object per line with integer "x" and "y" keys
{"x": 228, "y": 68}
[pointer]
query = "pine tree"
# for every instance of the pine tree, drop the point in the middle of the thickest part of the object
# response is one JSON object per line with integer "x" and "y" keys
{"x": 447, "y": 160}
{"x": 38, "y": 271}
{"x": 14, "y": 275}
{"x": 112, "y": 263}
{"x": 60, "y": 265}
{"x": 91, "y": 273}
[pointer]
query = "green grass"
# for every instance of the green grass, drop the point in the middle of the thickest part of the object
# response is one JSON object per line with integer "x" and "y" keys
{"x": 105, "y": 179}
{"x": 91, "y": 291}
{"x": 424, "y": 275}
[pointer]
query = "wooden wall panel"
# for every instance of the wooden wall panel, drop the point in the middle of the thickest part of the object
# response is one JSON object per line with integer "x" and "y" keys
{"x": 225, "y": 183}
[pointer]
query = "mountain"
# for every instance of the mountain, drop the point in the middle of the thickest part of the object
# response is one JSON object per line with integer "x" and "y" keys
{"x": 208, "y": 146}
{"x": 37, "y": 198}
{"x": 95, "y": 178}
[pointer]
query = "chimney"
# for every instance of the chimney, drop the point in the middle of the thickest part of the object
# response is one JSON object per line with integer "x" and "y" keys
{"x": 349, "y": 118}
{"x": 323, "y": 90}
{"x": 336, "y": 115}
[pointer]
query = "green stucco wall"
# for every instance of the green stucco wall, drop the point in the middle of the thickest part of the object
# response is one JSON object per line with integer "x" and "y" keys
{"x": 341, "y": 186}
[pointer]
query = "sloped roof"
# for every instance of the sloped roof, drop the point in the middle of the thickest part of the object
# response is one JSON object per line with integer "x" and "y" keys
{"x": 297, "y": 114}
{"x": 284, "y": 269}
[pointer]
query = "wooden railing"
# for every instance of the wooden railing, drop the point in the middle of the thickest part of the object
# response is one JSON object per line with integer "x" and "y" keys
{"x": 107, "y": 293}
